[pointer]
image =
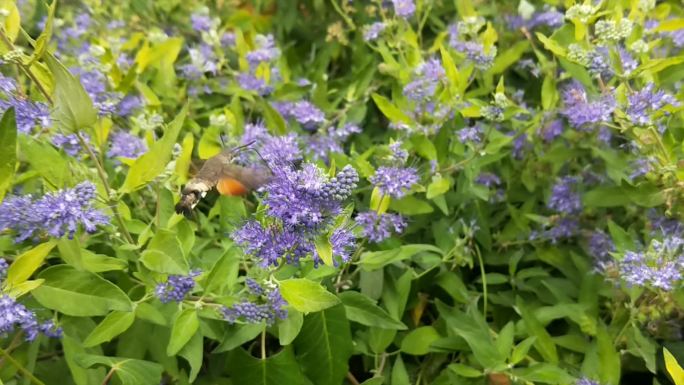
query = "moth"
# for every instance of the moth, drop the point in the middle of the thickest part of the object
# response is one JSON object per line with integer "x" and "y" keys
{"x": 221, "y": 172}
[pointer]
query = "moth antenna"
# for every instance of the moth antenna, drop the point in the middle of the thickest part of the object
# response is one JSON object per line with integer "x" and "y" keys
{"x": 221, "y": 139}
{"x": 238, "y": 149}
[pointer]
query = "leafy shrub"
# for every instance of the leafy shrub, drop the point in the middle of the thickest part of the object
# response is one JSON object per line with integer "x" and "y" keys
{"x": 437, "y": 192}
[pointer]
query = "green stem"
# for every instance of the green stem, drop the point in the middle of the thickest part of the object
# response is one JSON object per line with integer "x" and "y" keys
{"x": 21, "y": 368}
{"x": 344, "y": 16}
{"x": 263, "y": 344}
{"x": 484, "y": 279}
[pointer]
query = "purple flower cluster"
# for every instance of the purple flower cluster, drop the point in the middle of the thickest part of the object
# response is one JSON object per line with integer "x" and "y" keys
{"x": 373, "y": 31}
{"x": 581, "y": 112}
{"x": 549, "y": 17}
{"x": 200, "y": 21}
{"x": 426, "y": 78}
{"x": 394, "y": 181}
{"x": 600, "y": 245}
{"x": 301, "y": 205}
{"x": 564, "y": 196}
{"x": 56, "y": 213}
{"x": 303, "y": 111}
{"x": 95, "y": 84}
{"x": 122, "y": 144}
{"x": 70, "y": 143}
{"x": 3, "y": 268}
{"x": 176, "y": 287}
{"x": 472, "y": 134}
{"x": 277, "y": 151}
{"x": 659, "y": 267}
{"x": 598, "y": 63}
{"x": 552, "y": 130}
{"x": 28, "y": 114}
{"x": 13, "y": 315}
{"x": 488, "y": 179}
{"x": 268, "y": 306}
{"x": 322, "y": 144}
{"x": 586, "y": 381}
{"x": 378, "y": 227}
{"x": 644, "y": 103}
{"x": 404, "y": 8}
{"x": 563, "y": 228}
{"x": 267, "y": 51}
{"x": 202, "y": 60}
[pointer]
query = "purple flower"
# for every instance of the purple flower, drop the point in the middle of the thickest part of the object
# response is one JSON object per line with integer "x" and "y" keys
{"x": 520, "y": 145}
{"x": 125, "y": 145}
{"x": 663, "y": 225}
{"x": 641, "y": 166}
{"x": 343, "y": 243}
{"x": 397, "y": 154}
{"x": 548, "y": 17}
{"x": 530, "y": 65}
{"x": 254, "y": 287}
{"x": 488, "y": 179}
{"x": 266, "y": 52}
{"x": 306, "y": 197}
{"x": 474, "y": 52}
{"x": 627, "y": 61}
{"x": 426, "y": 78}
{"x": 228, "y": 39}
{"x": 3, "y": 268}
{"x": 564, "y": 228}
{"x": 643, "y": 103}
{"x": 176, "y": 287}
{"x": 564, "y": 197}
{"x": 552, "y": 130}
{"x": 378, "y": 227}
{"x": 581, "y": 112}
{"x": 70, "y": 143}
{"x": 200, "y": 22}
{"x": 394, "y": 181}
{"x": 373, "y": 31}
{"x": 268, "y": 307}
{"x": 250, "y": 82}
{"x": 28, "y": 114}
{"x": 7, "y": 85}
{"x": 637, "y": 269}
{"x": 271, "y": 243}
{"x": 14, "y": 314}
{"x": 304, "y": 112}
{"x": 600, "y": 245}
{"x": 404, "y": 8}
{"x": 598, "y": 63}
{"x": 472, "y": 134}
{"x": 56, "y": 213}
{"x": 128, "y": 105}
{"x": 586, "y": 381}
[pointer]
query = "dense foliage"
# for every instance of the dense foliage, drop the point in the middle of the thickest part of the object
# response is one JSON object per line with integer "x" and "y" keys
{"x": 454, "y": 192}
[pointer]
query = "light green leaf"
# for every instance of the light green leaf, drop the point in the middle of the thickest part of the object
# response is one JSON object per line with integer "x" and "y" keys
{"x": 151, "y": 164}
{"x": 673, "y": 368}
{"x": 544, "y": 343}
{"x": 391, "y": 111}
{"x": 42, "y": 42}
{"x": 377, "y": 259}
{"x": 111, "y": 326}
{"x": 45, "y": 159}
{"x": 164, "y": 254}
{"x": 410, "y": 205}
{"x": 79, "y": 293}
{"x": 324, "y": 249}
{"x": 289, "y": 328}
{"x": 193, "y": 352}
{"x": 73, "y": 109}
{"x": 184, "y": 328}
{"x": 438, "y": 186}
{"x": 274, "y": 121}
{"x": 544, "y": 373}
{"x": 552, "y": 45}
{"x": 11, "y": 18}
{"x": 363, "y": 310}
{"x": 237, "y": 335}
{"x": 8, "y": 149}
{"x": 418, "y": 341}
{"x": 465, "y": 371}
{"x": 307, "y": 296}
{"x": 27, "y": 263}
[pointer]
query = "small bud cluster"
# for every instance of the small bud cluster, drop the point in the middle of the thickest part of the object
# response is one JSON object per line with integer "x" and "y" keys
{"x": 610, "y": 30}
{"x": 176, "y": 287}
{"x": 266, "y": 305}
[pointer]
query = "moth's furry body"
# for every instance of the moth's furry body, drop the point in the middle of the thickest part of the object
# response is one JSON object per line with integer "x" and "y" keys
{"x": 214, "y": 170}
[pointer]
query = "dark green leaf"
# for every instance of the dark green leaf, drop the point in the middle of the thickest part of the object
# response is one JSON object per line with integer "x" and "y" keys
{"x": 184, "y": 328}
{"x": 127, "y": 370}
{"x": 363, "y": 310}
{"x": 281, "y": 368}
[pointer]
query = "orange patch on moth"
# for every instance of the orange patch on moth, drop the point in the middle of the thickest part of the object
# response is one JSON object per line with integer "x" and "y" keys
{"x": 230, "y": 186}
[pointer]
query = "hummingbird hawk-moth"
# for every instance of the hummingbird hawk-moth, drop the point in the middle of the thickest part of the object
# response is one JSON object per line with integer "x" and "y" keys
{"x": 220, "y": 171}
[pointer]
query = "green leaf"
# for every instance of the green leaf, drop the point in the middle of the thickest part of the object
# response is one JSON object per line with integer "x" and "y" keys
{"x": 475, "y": 333}
{"x": 608, "y": 357}
{"x": 363, "y": 310}
{"x": 379, "y": 202}
{"x": 549, "y": 93}
{"x": 374, "y": 381}
{"x": 17, "y": 291}
{"x": 152, "y": 163}
{"x": 289, "y": 328}
{"x": 164, "y": 254}
{"x": 281, "y": 368}
{"x": 552, "y": 45}
{"x": 224, "y": 272}
{"x": 193, "y": 352}
{"x": 8, "y": 149}
{"x": 324, "y": 346}
{"x": 521, "y": 349}
{"x": 43, "y": 41}
{"x": 324, "y": 249}
{"x": 184, "y": 328}
{"x": 399, "y": 374}
{"x": 11, "y": 19}
{"x": 373, "y": 260}
{"x": 274, "y": 121}
{"x": 465, "y": 371}
{"x": 27, "y": 263}
{"x": 410, "y": 205}
{"x": 509, "y": 57}
{"x": 79, "y": 293}
{"x": 450, "y": 68}
{"x": 424, "y": 147}
{"x": 129, "y": 371}
{"x": 73, "y": 109}
{"x": 544, "y": 373}
{"x": 237, "y": 335}
{"x": 544, "y": 344}
{"x": 673, "y": 368}
{"x": 307, "y": 296}
{"x": 418, "y": 341}
{"x": 111, "y": 326}
{"x": 45, "y": 159}
{"x": 391, "y": 111}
